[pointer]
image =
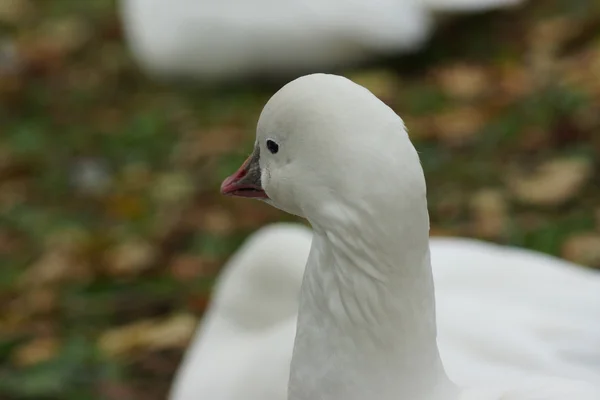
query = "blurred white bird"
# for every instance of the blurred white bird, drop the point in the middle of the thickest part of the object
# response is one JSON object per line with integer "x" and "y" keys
{"x": 224, "y": 40}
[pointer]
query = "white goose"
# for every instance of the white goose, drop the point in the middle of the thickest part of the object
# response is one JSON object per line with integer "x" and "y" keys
{"x": 232, "y": 39}
{"x": 331, "y": 152}
{"x": 490, "y": 321}
{"x": 255, "y": 295}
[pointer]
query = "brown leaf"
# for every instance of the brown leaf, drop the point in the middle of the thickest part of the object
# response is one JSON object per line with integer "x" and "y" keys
{"x": 14, "y": 12}
{"x": 173, "y": 188}
{"x": 490, "y": 214}
{"x": 36, "y": 351}
{"x": 171, "y": 333}
{"x": 40, "y": 301}
{"x": 130, "y": 257}
{"x": 62, "y": 260}
{"x": 198, "y": 144}
{"x": 463, "y": 81}
{"x": 552, "y": 183}
{"x": 198, "y": 302}
{"x": 168, "y": 333}
{"x": 66, "y": 35}
{"x": 214, "y": 219}
{"x": 186, "y": 267}
{"x": 125, "y": 206}
{"x": 514, "y": 81}
{"x": 458, "y": 126}
{"x": 583, "y": 248}
{"x": 118, "y": 342}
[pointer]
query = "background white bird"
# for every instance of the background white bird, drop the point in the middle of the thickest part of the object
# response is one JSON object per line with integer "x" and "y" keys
{"x": 233, "y": 39}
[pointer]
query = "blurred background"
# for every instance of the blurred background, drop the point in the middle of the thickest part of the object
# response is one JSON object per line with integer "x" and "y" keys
{"x": 112, "y": 228}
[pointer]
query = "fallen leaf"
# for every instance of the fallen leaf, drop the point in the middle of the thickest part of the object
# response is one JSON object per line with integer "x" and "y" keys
{"x": 123, "y": 340}
{"x": 66, "y": 35}
{"x": 583, "y": 248}
{"x": 136, "y": 177}
{"x": 63, "y": 260}
{"x": 514, "y": 81}
{"x": 157, "y": 334}
{"x": 490, "y": 213}
{"x": 174, "y": 332}
{"x": 551, "y": 184}
{"x": 130, "y": 257}
{"x": 14, "y": 12}
{"x": 186, "y": 267}
{"x": 173, "y": 187}
{"x": 125, "y": 206}
{"x": 463, "y": 81}
{"x": 458, "y": 126}
{"x": 214, "y": 219}
{"x": 36, "y": 351}
{"x": 198, "y": 144}
{"x": 41, "y": 301}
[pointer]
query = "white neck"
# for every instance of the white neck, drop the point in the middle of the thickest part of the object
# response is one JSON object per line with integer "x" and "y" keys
{"x": 366, "y": 322}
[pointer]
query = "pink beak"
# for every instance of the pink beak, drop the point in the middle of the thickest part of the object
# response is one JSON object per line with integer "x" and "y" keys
{"x": 245, "y": 182}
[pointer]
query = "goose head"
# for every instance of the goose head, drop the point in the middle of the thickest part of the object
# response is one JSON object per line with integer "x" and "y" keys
{"x": 327, "y": 149}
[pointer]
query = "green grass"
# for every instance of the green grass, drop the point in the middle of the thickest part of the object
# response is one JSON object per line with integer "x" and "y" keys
{"x": 85, "y": 106}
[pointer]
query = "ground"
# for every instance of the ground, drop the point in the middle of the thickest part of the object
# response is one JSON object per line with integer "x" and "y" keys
{"x": 111, "y": 225}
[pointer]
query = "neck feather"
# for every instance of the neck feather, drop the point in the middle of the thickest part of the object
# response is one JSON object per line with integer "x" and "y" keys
{"x": 366, "y": 323}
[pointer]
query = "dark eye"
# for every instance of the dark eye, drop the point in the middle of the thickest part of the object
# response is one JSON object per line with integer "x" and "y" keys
{"x": 272, "y": 146}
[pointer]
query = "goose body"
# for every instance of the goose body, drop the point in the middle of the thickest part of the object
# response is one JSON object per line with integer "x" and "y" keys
{"x": 250, "y": 321}
{"x": 233, "y": 39}
{"x": 368, "y": 318}
{"x": 501, "y": 311}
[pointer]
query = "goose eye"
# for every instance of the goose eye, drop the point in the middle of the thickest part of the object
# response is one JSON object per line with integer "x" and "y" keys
{"x": 272, "y": 146}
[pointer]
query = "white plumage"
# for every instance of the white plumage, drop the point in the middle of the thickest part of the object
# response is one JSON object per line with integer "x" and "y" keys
{"x": 232, "y": 39}
{"x": 513, "y": 324}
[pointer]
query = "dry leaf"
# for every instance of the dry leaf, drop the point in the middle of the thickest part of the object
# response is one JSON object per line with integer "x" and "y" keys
{"x": 463, "y": 81}
{"x": 490, "y": 214}
{"x": 198, "y": 144}
{"x": 121, "y": 341}
{"x": 552, "y": 183}
{"x": 40, "y": 301}
{"x": 212, "y": 219}
{"x": 174, "y": 187}
{"x": 130, "y": 257}
{"x": 186, "y": 267}
{"x": 514, "y": 81}
{"x": 125, "y": 206}
{"x": 172, "y": 332}
{"x": 136, "y": 177}
{"x": 583, "y": 248}
{"x": 36, "y": 351}
{"x": 62, "y": 260}
{"x": 13, "y": 12}
{"x": 66, "y": 35}
{"x": 459, "y": 125}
